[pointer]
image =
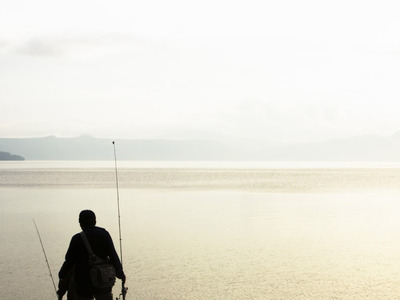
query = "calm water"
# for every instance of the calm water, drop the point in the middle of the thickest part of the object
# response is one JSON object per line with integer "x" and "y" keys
{"x": 208, "y": 230}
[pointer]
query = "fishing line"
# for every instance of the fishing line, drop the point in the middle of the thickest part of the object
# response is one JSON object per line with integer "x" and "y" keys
{"x": 45, "y": 256}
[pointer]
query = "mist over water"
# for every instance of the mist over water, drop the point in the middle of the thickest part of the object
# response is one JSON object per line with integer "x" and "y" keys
{"x": 211, "y": 233}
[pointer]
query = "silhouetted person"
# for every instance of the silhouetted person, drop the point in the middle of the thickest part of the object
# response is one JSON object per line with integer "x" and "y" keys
{"x": 77, "y": 259}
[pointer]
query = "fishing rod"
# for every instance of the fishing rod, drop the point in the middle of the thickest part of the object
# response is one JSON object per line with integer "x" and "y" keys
{"x": 124, "y": 289}
{"x": 45, "y": 257}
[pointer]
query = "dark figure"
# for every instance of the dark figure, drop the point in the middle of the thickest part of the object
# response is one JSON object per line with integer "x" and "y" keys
{"x": 77, "y": 259}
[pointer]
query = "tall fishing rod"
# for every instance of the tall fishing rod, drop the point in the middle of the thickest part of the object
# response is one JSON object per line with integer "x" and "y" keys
{"x": 123, "y": 288}
{"x": 45, "y": 257}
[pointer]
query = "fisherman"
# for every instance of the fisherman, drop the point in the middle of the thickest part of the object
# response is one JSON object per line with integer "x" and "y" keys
{"x": 77, "y": 260}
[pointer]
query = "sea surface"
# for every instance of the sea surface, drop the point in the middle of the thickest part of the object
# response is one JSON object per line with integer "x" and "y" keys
{"x": 209, "y": 230}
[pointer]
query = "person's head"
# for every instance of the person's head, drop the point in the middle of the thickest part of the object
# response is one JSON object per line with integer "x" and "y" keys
{"x": 87, "y": 218}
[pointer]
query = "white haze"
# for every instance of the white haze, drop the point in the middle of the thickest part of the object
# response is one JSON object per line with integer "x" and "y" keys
{"x": 282, "y": 71}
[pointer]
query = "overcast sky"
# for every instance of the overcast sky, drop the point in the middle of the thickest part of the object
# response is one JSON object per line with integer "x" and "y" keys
{"x": 281, "y": 71}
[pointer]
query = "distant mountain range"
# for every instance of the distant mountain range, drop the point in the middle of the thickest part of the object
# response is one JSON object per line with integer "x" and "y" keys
{"x": 361, "y": 148}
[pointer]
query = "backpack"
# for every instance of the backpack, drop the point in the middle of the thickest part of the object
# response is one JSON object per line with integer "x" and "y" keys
{"x": 102, "y": 272}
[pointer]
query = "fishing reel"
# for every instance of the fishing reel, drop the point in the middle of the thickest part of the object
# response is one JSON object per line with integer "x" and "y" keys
{"x": 123, "y": 293}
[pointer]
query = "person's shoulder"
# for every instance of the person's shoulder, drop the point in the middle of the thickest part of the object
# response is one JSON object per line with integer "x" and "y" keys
{"x": 76, "y": 236}
{"x": 101, "y": 229}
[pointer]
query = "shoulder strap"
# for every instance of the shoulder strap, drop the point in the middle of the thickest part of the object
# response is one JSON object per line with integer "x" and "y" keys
{"x": 86, "y": 242}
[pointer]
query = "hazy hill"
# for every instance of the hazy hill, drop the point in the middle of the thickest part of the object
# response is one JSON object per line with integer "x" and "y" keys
{"x": 9, "y": 156}
{"x": 362, "y": 148}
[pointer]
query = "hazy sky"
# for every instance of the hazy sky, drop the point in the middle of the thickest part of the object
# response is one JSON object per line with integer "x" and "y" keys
{"x": 282, "y": 71}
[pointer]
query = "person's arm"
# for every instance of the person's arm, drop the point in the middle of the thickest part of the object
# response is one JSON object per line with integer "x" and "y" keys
{"x": 70, "y": 258}
{"x": 114, "y": 259}
{"x": 64, "y": 284}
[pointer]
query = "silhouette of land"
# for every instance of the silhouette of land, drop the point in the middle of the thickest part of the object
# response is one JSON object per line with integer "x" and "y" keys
{"x": 361, "y": 148}
{"x": 9, "y": 156}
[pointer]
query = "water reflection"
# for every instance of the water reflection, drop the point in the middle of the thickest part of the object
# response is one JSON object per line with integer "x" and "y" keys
{"x": 215, "y": 244}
